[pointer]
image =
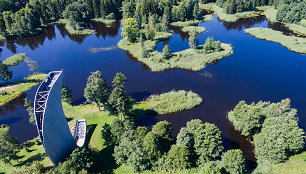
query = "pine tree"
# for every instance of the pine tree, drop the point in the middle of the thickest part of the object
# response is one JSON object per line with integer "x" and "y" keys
{"x": 165, "y": 20}
{"x": 193, "y": 41}
{"x": 195, "y": 12}
{"x": 166, "y": 52}
{"x": 137, "y": 16}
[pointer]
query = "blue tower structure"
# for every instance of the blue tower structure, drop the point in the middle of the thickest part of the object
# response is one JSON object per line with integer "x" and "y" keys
{"x": 51, "y": 122}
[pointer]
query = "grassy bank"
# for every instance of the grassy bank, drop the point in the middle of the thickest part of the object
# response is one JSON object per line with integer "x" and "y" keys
{"x": 162, "y": 35}
{"x": 14, "y": 60}
{"x": 192, "y": 22}
{"x": 295, "y": 44}
{"x": 190, "y": 59}
{"x": 11, "y": 90}
{"x": 174, "y": 101}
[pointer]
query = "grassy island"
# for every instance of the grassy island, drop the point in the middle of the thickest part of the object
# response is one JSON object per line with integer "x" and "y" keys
{"x": 205, "y": 18}
{"x": 197, "y": 29}
{"x": 190, "y": 59}
{"x": 174, "y": 101}
{"x": 105, "y": 21}
{"x": 10, "y": 91}
{"x": 14, "y": 60}
{"x": 295, "y": 44}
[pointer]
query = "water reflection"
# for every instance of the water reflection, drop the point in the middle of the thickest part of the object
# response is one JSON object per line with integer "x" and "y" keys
{"x": 13, "y": 105}
{"x": 243, "y": 23}
{"x": 49, "y": 33}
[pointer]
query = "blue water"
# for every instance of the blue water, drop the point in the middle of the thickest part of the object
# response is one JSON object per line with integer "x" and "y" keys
{"x": 258, "y": 70}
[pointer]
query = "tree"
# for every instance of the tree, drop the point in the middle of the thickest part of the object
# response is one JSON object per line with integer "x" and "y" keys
{"x": 153, "y": 147}
{"x": 195, "y": 12}
{"x": 193, "y": 41}
{"x": 163, "y": 129}
{"x": 193, "y": 125}
{"x": 30, "y": 108}
{"x": 248, "y": 118}
{"x": 79, "y": 159}
{"x": 166, "y": 19}
{"x": 166, "y": 52}
{"x": 5, "y": 73}
{"x": 97, "y": 89}
{"x": 178, "y": 157}
{"x": 66, "y": 94}
{"x": 208, "y": 142}
{"x": 137, "y": 16}
{"x": 8, "y": 145}
{"x": 280, "y": 137}
{"x": 119, "y": 102}
{"x": 130, "y": 151}
{"x": 130, "y": 30}
{"x": 117, "y": 130}
{"x": 184, "y": 138}
{"x": 141, "y": 132}
{"x": 233, "y": 161}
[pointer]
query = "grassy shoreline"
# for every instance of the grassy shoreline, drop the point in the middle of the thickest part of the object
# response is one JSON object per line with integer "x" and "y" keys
{"x": 19, "y": 87}
{"x": 295, "y": 44}
{"x": 205, "y": 18}
{"x": 189, "y": 59}
{"x": 105, "y": 21}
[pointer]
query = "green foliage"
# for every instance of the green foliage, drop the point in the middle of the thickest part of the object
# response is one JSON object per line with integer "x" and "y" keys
{"x": 233, "y": 162}
{"x": 141, "y": 132}
{"x": 119, "y": 102}
{"x": 248, "y": 118}
{"x": 236, "y": 6}
{"x": 178, "y": 157}
{"x": 279, "y": 138}
{"x": 131, "y": 152}
{"x": 291, "y": 13}
{"x": 211, "y": 46}
{"x": 31, "y": 64}
{"x": 30, "y": 108}
{"x": 208, "y": 142}
{"x": 5, "y": 73}
{"x": 193, "y": 125}
{"x": 66, "y": 94}
{"x": 184, "y": 138}
{"x": 130, "y": 30}
{"x": 152, "y": 146}
{"x": 212, "y": 167}
{"x": 8, "y": 145}
{"x": 97, "y": 89}
{"x": 166, "y": 52}
{"x": 117, "y": 130}
{"x": 79, "y": 159}
{"x": 14, "y": 60}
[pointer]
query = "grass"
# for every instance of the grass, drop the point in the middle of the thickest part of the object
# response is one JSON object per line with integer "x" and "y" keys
{"x": 105, "y": 21}
{"x": 190, "y": 59}
{"x": 190, "y": 29}
{"x": 295, "y": 165}
{"x": 14, "y": 60}
{"x": 295, "y": 44}
{"x": 192, "y": 22}
{"x": 18, "y": 87}
{"x": 174, "y": 101}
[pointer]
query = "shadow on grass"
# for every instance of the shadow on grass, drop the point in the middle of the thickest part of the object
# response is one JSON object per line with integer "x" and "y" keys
{"x": 104, "y": 161}
{"x": 37, "y": 157}
{"x": 90, "y": 130}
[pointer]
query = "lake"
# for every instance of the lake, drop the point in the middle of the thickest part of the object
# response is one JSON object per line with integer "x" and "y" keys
{"x": 258, "y": 70}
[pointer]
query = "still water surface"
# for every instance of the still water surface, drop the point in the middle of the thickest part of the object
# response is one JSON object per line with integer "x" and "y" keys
{"x": 258, "y": 70}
